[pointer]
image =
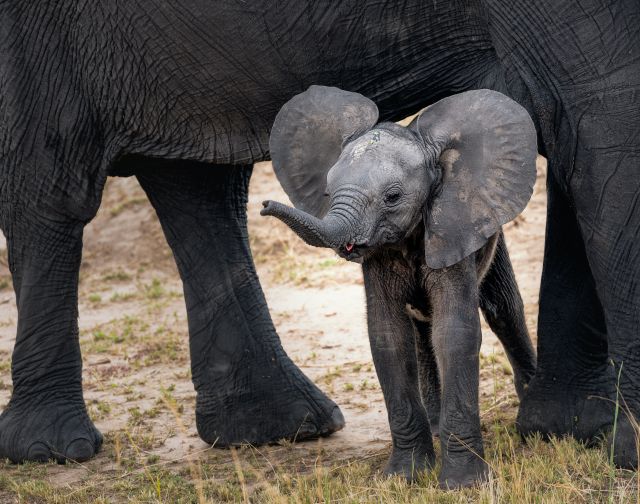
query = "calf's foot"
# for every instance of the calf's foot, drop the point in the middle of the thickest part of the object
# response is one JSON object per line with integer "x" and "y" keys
{"x": 463, "y": 472}
{"x": 47, "y": 429}
{"x": 408, "y": 462}
{"x": 463, "y": 463}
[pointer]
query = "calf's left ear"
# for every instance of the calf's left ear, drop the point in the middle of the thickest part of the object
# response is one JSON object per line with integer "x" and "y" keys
{"x": 484, "y": 145}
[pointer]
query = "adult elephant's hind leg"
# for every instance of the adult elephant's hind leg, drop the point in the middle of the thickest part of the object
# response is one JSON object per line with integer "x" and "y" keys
{"x": 607, "y": 196}
{"x": 573, "y": 382}
{"x": 46, "y": 417}
{"x": 248, "y": 390}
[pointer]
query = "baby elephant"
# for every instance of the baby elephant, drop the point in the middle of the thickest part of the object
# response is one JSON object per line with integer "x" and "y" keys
{"x": 421, "y": 208}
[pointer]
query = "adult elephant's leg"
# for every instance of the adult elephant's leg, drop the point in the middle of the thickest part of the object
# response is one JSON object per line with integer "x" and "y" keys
{"x": 503, "y": 310}
{"x": 391, "y": 334}
{"x": 46, "y": 417}
{"x": 606, "y": 190}
{"x": 573, "y": 380}
{"x": 248, "y": 390}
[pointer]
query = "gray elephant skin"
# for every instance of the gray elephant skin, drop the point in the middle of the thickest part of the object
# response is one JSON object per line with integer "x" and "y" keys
{"x": 421, "y": 208}
{"x": 182, "y": 95}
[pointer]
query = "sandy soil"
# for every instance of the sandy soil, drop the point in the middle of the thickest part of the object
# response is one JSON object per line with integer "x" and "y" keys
{"x": 135, "y": 343}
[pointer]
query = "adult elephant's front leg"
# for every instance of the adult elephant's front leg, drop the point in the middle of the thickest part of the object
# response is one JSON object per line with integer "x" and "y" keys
{"x": 456, "y": 338}
{"x": 46, "y": 417}
{"x": 391, "y": 334}
{"x": 248, "y": 390}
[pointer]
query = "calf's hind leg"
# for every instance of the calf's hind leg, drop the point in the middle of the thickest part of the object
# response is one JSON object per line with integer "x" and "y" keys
{"x": 248, "y": 390}
{"x": 502, "y": 307}
{"x": 428, "y": 373}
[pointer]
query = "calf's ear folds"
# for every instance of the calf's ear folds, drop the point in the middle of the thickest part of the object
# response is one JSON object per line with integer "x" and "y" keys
{"x": 307, "y": 138}
{"x": 484, "y": 145}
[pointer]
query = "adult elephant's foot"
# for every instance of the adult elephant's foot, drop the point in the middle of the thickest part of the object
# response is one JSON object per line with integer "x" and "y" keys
{"x": 409, "y": 462}
{"x": 278, "y": 404}
{"x": 44, "y": 429}
{"x": 584, "y": 411}
{"x": 248, "y": 390}
{"x": 626, "y": 446}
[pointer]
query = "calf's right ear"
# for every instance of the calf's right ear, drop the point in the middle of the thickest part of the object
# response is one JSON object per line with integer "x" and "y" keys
{"x": 307, "y": 138}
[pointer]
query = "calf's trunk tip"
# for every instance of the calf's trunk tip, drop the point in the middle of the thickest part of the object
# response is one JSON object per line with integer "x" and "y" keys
{"x": 326, "y": 233}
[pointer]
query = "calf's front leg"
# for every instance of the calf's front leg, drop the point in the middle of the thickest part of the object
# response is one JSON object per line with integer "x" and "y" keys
{"x": 393, "y": 349}
{"x": 456, "y": 339}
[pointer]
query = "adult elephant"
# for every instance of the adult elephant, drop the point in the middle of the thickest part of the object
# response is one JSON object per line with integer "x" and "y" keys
{"x": 182, "y": 95}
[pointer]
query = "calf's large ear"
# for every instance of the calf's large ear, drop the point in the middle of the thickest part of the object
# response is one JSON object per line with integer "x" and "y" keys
{"x": 484, "y": 145}
{"x": 307, "y": 138}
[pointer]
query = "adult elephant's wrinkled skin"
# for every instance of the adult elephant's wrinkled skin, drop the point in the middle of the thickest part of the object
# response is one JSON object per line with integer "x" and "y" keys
{"x": 183, "y": 94}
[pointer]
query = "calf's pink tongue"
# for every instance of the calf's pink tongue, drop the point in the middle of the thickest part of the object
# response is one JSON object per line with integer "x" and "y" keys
{"x": 349, "y": 247}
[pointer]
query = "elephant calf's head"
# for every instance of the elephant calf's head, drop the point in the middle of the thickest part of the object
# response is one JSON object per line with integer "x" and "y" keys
{"x": 464, "y": 167}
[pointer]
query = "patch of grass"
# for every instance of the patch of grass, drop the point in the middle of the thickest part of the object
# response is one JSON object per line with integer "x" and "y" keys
{"x": 94, "y": 298}
{"x": 116, "y": 336}
{"x": 118, "y": 297}
{"x": 153, "y": 459}
{"x": 290, "y": 259}
{"x": 556, "y": 472}
{"x": 168, "y": 400}
{"x": 5, "y": 364}
{"x": 129, "y": 203}
{"x": 154, "y": 290}
{"x": 117, "y": 276}
{"x": 367, "y": 385}
{"x": 330, "y": 376}
{"x": 506, "y": 369}
{"x": 310, "y": 358}
{"x": 170, "y": 349}
{"x": 103, "y": 342}
{"x": 138, "y": 417}
{"x": 98, "y": 409}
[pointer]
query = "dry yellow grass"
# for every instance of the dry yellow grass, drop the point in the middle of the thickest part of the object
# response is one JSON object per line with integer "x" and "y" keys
{"x": 138, "y": 389}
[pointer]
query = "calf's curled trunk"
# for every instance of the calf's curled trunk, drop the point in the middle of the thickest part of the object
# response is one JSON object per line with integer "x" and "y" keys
{"x": 330, "y": 231}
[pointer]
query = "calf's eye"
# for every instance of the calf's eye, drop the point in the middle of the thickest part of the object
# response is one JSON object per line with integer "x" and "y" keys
{"x": 392, "y": 198}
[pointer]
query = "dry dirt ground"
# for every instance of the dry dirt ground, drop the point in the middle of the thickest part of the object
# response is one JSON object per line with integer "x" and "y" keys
{"x": 134, "y": 340}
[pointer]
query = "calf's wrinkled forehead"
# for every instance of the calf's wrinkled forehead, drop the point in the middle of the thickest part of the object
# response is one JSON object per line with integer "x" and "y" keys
{"x": 382, "y": 149}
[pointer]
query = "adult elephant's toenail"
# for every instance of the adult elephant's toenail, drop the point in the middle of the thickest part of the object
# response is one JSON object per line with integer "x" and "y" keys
{"x": 99, "y": 440}
{"x": 307, "y": 430}
{"x": 39, "y": 452}
{"x": 79, "y": 450}
{"x": 337, "y": 421}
